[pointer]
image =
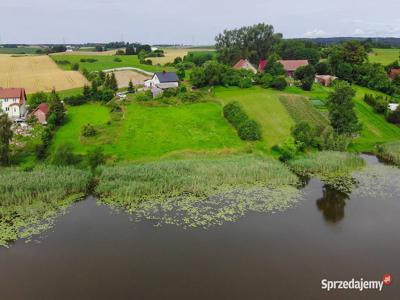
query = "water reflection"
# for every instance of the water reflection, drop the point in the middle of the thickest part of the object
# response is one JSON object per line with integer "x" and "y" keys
{"x": 332, "y": 204}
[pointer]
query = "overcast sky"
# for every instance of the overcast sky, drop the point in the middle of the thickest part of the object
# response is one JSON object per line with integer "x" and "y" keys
{"x": 189, "y": 21}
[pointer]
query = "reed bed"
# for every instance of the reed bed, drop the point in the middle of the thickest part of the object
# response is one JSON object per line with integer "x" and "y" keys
{"x": 390, "y": 152}
{"x": 334, "y": 168}
{"x": 199, "y": 192}
{"x": 29, "y": 201}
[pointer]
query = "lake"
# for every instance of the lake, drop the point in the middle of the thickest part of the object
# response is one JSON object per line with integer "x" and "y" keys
{"x": 94, "y": 252}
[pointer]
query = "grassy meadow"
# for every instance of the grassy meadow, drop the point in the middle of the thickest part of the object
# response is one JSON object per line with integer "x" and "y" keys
{"x": 264, "y": 107}
{"x": 384, "y": 56}
{"x": 148, "y": 132}
{"x": 19, "y": 50}
{"x": 104, "y": 62}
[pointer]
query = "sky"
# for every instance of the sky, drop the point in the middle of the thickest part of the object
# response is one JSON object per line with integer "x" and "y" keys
{"x": 189, "y": 22}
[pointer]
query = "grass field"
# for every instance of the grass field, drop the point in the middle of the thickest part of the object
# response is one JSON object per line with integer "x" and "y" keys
{"x": 264, "y": 107}
{"x": 384, "y": 56}
{"x": 104, "y": 62}
{"x": 172, "y": 53}
{"x": 19, "y": 50}
{"x": 301, "y": 109}
{"x": 36, "y": 73}
{"x": 147, "y": 132}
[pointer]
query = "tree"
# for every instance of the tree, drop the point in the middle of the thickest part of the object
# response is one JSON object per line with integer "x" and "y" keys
{"x": 57, "y": 108}
{"x": 6, "y": 135}
{"x": 341, "y": 110}
{"x": 86, "y": 91}
{"x": 295, "y": 49}
{"x": 113, "y": 82}
{"x": 252, "y": 42}
{"x": 131, "y": 88}
{"x": 37, "y": 98}
{"x": 306, "y": 75}
{"x": 181, "y": 73}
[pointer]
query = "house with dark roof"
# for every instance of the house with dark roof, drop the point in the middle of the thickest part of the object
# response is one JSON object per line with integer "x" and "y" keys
{"x": 13, "y": 102}
{"x": 246, "y": 65}
{"x": 290, "y": 66}
{"x": 41, "y": 113}
{"x": 163, "y": 80}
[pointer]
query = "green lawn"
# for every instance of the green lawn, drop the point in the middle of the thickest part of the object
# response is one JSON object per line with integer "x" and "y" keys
{"x": 147, "y": 132}
{"x": 105, "y": 62}
{"x": 77, "y": 117}
{"x": 264, "y": 107}
{"x": 384, "y": 56}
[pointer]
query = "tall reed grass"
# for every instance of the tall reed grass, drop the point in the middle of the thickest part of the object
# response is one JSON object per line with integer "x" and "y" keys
{"x": 390, "y": 152}
{"x": 199, "y": 192}
{"x": 334, "y": 168}
{"x": 30, "y": 200}
{"x": 196, "y": 177}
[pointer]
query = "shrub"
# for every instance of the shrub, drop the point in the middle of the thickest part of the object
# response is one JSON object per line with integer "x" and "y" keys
{"x": 235, "y": 114}
{"x": 88, "y": 130}
{"x": 88, "y": 60}
{"x": 245, "y": 83}
{"x": 117, "y": 59}
{"x": 266, "y": 80}
{"x": 64, "y": 156}
{"x": 288, "y": 150}
{"x": 75, "y": 67}
{"x": 394, "y": 116}
{"x": 95, "y": 157}
{"x": 304, "y": 135}
{"x": 331, "y": 141}
{"x": 76, "y": 100}
{"x": 250, "y": 131}
{"x": 279, "y": 83}
{"x": 190, "y": 97}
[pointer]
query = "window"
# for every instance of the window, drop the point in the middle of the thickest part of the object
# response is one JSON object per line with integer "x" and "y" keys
{"x": 7, "y": 108}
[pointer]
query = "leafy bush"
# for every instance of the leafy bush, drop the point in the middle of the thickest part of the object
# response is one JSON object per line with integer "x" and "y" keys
{"x": 394, "y": 116}
{"x": 235, "y": 114}
{"x": 250, "y": 131}
{"x": 64, "y": 156}
{"x": 88, "y": 130}
{"x": 76, "y": 100}
{"x": 279, "y": 83}
{"x": 303, "y": 135}
{"x": 190, "y": 97}
{"x": 288, "y": 150}
{"x": 95, "y": 157}
{"x": 75, "y": 67}
{"x": 117, "y": 59}
{"x": 379, "y": 103}
{"x": 331, "y": 141}
{"x": 88, "y": 60}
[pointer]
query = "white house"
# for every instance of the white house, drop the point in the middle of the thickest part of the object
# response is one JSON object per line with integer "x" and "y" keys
{"x": 163, "y": 80}
{"x": 13, "y": 102}
{"x": 245, "y": 64}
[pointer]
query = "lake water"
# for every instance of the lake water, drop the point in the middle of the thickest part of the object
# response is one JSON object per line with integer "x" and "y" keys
{"x": 94, "y": 252}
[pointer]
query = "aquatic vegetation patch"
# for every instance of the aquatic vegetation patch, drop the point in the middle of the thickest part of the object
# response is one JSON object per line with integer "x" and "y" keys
{"x": 390, "y": 152}
{"x": 199, "y": 192}
{"x": 334, "y": 168}
{"x": 378, "y": 181}
{"x": 29, "y": 201}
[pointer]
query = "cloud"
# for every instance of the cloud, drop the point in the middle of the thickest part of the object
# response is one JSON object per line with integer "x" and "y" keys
{"x": 315, "y": 33}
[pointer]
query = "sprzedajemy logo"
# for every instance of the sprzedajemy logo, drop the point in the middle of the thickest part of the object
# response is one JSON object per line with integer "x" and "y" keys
{"x": 354, "y": 284}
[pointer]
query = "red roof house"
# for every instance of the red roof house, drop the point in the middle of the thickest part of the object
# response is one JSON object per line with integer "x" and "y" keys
{"x": 394, "y": 73}
{"x": 12, "y": 102}
{"x": 245, "y": 64}
{"x": 262, "y": 65}
{"x": 41, "y": 113}
{"x": 290, "y": 66}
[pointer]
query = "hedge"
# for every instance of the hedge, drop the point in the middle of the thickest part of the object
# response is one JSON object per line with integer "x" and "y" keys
{"x": 248, "y": 130}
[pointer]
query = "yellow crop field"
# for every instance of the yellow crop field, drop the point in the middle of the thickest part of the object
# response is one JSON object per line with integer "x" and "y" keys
{"x": 123, "y": 78}
{"x": 172, "y": 53}
{"x": 37, "y": 73}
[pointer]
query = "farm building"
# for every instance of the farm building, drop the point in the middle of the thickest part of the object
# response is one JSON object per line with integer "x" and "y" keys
{"x": 245, "y": 64}
{"x": 394, "y": 73}
{"x": 290, "y": 66}
{"x": 41, "y": 113}
{"x": 163, "y": 80}
{"x": 13, "y": 102}
{"x": 325, "y": 80}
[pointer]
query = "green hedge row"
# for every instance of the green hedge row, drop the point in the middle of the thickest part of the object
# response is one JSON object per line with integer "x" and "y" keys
{"x": 248, "y": 130}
